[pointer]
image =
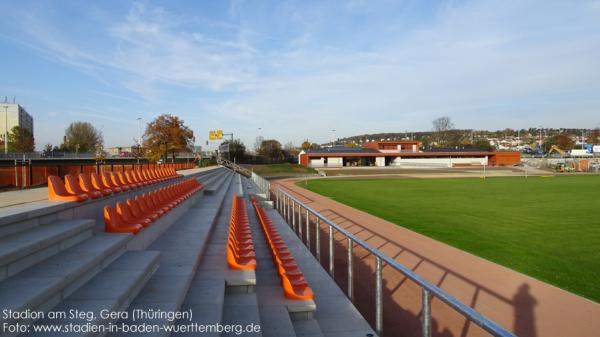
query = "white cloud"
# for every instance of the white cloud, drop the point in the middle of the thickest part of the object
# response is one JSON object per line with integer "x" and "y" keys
{"x": 294, "y": 73}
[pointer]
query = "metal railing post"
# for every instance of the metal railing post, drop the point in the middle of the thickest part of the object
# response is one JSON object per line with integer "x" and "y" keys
{"x": 287, "y": 209}
{"x": 318, "y": 238}
{"x": 294, "y": 215}
{"x": 308, "y": 229}
{"x": 350, "y": 269}
{"x": 426, "y": 318}
{"x": 300, "y": 224}
{"x": 331, "y": 251}
{"x": 378, "y": 296}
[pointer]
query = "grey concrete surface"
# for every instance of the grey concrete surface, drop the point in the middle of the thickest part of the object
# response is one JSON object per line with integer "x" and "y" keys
{"x": 180, "y": 256}
{"x": 24, "y": 249}
{"x": 45, "y": 284}
{"x": 112, "y": 289}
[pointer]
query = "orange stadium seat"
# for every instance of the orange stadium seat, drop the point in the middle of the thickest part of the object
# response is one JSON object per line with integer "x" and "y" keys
{"x": 99, "y": 184}
{"x": 131, "y": 180}
{"x": 240, "y": 249}
{"x": 115, "y": 181}
{"x": 294, "y": 285}
{"x": 58, "y": 191}
{"x": 125, "y": 212}
{"x": 120, "y": 176}
{"x": 73, "y": 187}
{"x": 114, "y": 224}
{"x": 107, "y": 181}
{"x": 86, "y": 184}
{"x": 147, "y": 207}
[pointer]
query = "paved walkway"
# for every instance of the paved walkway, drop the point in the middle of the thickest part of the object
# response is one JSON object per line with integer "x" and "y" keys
{"x": 12, "y": 198}
{"x": 526, "y": 306}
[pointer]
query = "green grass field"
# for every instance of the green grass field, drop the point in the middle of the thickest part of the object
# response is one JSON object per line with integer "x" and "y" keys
{"x": 548, "y": 228}
{"x": 281, "y": 169}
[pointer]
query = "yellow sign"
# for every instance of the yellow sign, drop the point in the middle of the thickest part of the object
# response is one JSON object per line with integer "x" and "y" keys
{"x": 215, "y": 134}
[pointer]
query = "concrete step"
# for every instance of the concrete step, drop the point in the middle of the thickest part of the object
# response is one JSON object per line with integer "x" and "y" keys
{"x": 112, "y": 289}
{"x": 206, "y": 294}
{"x": 22, "y": 250}
{"x": 241, "y": 310}
{"x": 181, "y": 248}
{"x": 42, "y": 286}
{"x": 307, "y": 328}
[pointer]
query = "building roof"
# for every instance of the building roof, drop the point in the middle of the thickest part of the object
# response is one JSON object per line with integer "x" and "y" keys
{"x": 329, "y": 150}
{"x": 450, "y": 150}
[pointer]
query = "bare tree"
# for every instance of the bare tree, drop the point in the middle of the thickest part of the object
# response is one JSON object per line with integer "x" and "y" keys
{"x": 441, "y": 126}
{"x": 258, "y": 143}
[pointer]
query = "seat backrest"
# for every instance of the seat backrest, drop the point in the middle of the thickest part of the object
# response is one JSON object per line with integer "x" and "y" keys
{"x": 85, "y": 182}
{"x": 72, "y": 185}
{"x": 107, "y": 179}
{"x": 56, "y": 186}
{"x": 129, "y": 177}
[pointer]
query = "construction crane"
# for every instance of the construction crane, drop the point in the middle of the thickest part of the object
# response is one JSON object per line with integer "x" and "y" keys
{"x": 555, "y": 148}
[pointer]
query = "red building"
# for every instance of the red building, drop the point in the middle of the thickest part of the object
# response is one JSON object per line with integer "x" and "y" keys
{"x": 404, "y": 154}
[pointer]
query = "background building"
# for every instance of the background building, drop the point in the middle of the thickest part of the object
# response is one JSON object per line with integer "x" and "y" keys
{"x": 404, "y": 154}
{"x": 11, "y": 115}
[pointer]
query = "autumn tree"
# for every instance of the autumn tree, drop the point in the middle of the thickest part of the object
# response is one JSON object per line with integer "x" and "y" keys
{"x": 594, "y": 137}
{"x": 20, "y": 140}
{"x": 165, "y": 135}
{"x": 81, "y": 137}
{"x": 563, "y": 141}
{"x": 305, "y": 145}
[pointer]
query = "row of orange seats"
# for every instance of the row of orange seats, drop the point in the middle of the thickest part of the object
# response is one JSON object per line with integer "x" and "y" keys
{"x": 133, "y": 215}
{"x": 240, "y": 247}
{"x": 294, "y": 285}
{"x": 93, "y": 186}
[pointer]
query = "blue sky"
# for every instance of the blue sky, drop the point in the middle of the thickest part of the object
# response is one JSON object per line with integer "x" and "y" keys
{"x": 298, "y": 69}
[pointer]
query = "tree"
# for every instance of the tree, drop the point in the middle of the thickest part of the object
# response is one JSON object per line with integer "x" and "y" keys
{"x": 563, "y": 141}
{"x": 20, "y": 140}
{"x": 166, "y": 134}
{"x": 257, "y": 143}
{"x": 483, "y": 144}
{"x": 350, "y": 144}
{"x": 271, "y": 150}
{"x": 237, "y": 150}
{"x": 81, "y": 137}
{"x": 441, "y": 126}
{"x": 594, "y": 137}
{"x": 305, "y": 145}
{"x": 47, "y": 150}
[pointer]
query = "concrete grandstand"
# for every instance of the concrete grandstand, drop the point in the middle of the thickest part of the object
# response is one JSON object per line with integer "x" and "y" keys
{"x": 165, "y": 271}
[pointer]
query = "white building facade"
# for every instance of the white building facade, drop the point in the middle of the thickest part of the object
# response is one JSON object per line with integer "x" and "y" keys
{"x": 11, "y": 115}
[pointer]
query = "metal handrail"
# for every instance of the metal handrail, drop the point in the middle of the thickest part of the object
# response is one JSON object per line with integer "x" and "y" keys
{"x": 263, "y": 184}
{"x": 284, "y": 201}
